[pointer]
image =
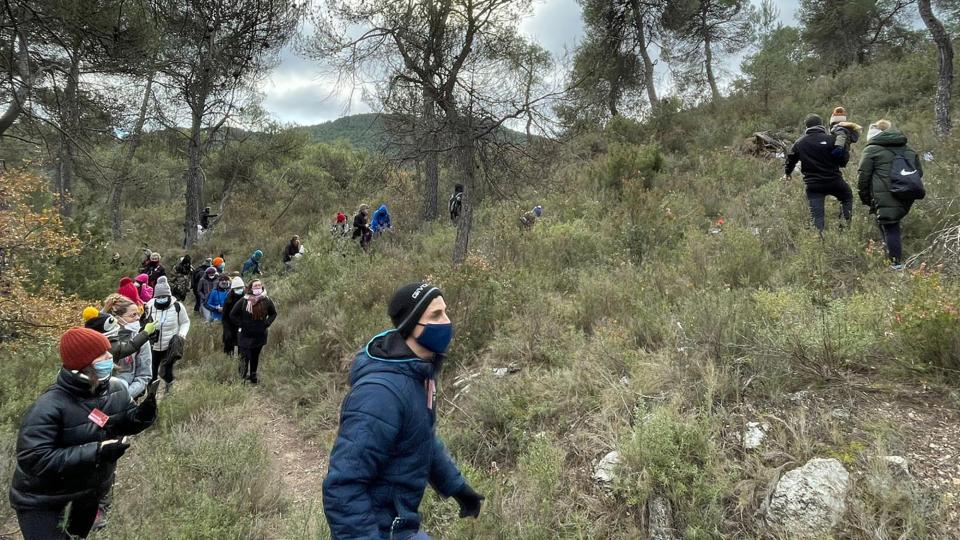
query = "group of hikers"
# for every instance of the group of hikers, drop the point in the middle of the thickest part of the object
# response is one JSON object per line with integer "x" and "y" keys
{"x": 71, "y": 438}
{"x": 385, "y": 453}
{"x": 387, "y": 449}
{"x": 889, "y": 179}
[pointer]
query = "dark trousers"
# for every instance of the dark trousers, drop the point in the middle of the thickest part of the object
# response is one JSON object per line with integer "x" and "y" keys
{"x": 891, "y": 239}
{"x": 163, "y": 366}
{"x": 250, "y": 360}
{"x": 817, "y": 194}
{"x": 229, "y": 341}
{"x": 41, "y": 524}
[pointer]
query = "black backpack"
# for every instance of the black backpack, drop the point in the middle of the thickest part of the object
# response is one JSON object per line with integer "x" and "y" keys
{"x": 906, "y": 179}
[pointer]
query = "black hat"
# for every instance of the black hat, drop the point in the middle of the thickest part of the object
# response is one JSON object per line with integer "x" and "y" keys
{"x": 813, "y": 120}
{"x": 408, "y": 305}
{"x": 105, "y": 324}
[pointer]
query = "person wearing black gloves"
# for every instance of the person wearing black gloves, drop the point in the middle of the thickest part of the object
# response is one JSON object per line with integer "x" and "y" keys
{"x": 71, "y": 438}
{"x": 387, "y": 449}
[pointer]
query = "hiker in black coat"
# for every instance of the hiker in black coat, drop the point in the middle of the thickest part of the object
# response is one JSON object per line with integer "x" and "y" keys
{"x": 71, "y": 438}
{"x": 820, "y": 167}
{"x": 198, "y": 274}
{"x": 252, "y": 315}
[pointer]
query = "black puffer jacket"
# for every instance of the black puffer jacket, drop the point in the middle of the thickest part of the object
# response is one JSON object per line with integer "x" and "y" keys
{"x": 57, "y": 447}
{"x": 229, "y": 328}
{"x": 253, "y": 332}
{"x": 814, "y": 153}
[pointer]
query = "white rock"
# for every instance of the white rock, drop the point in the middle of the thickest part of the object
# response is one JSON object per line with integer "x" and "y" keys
{"x": 898, "y": 466}
{"x": 808, "y": 502}
{"x": 604, "y": 470}
{"x": 754, "y": 434}
{"x": 661, "y": 519}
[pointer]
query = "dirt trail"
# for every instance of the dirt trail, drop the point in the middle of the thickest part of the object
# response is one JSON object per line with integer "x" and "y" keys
{"x": 302, "y": 463}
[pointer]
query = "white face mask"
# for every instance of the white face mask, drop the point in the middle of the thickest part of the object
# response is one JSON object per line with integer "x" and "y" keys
{"x": 133, "y": 326}
{"x": 238, "y": 290}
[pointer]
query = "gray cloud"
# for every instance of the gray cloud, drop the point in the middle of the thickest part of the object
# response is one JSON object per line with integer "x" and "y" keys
{"x": 297, "y": 91}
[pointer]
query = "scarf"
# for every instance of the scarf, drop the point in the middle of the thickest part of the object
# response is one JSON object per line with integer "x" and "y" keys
{"x": 253, "y": 300}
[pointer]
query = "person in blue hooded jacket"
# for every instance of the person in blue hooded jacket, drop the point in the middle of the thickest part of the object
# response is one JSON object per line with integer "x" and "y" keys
{"x": 387, "y": 449}
{"x": 252, "y": 265}
{"x": 381, "y": 220}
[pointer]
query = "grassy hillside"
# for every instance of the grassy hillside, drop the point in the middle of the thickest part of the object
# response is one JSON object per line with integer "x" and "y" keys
{"x": 364, "y": 131}
{"x": 672, "y": 293}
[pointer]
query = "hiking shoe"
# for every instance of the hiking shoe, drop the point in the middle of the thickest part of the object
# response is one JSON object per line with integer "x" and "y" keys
{"x": 253, "y": 378}
{"x": 897, "y": 267}
{"x": 101, "y": 520}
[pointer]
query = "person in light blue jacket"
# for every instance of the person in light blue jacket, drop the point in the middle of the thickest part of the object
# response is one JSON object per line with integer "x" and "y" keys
{"x": 387, "y": 449}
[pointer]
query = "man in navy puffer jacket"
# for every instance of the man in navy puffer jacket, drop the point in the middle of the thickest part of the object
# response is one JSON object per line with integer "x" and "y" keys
{"x": 387, "y": 450}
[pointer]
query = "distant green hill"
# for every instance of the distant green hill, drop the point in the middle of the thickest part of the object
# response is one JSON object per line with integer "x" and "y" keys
{"x": 368, "y": 131}
{"x": 365, "y": 131}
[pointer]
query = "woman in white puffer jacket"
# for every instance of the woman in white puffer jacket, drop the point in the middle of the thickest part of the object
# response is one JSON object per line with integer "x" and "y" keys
{"x": 173, "y": 324}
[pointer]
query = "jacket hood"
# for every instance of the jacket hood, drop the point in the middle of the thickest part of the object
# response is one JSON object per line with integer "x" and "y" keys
{"x": 388, "y": 353}
{"x": 78, "y": 384}
{"x": 382, "y": 209}
{"x": 256, "y": 255}
{"x": 890, "y": 137}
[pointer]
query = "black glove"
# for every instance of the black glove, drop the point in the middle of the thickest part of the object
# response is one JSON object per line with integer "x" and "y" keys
{"x": 469, "y": 501}
{"x": 147, "y": 409}
{"x": 111, "y": 450}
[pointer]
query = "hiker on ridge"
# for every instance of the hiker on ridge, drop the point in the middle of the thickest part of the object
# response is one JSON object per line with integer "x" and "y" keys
{"x": 529, "y": 219}
{"x": 205, "y": 217}
{"x": 252, "y": 265}
{"x": 387, "y": 449}
{"x": 381, "y": 220}
{"x": 455, "y": 205}
{"x": 293, "y": 250}
{"x": 887, "y": 156}
{"x": 71, "y": 438}
{"x": 361, "y": 230}
{"x": 821, "y": 170}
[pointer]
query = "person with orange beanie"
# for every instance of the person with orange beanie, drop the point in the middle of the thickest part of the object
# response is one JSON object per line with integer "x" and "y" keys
{"x": 219, "y": 264}
{"x": 71, "y": 438}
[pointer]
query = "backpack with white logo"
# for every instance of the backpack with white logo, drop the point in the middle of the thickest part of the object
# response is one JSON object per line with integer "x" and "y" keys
{"x": 906, "y": 179}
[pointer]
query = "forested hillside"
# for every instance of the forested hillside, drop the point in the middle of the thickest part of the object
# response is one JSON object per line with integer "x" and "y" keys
{"x": 670, "y": 351}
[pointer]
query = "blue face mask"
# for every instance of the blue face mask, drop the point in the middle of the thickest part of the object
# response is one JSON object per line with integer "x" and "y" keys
{"x": 103, "y": 368}
{"x": 436, "y": 338}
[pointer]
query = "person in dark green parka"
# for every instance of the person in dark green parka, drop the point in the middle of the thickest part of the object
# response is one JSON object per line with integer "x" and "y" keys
{"x": 884, "y": 142}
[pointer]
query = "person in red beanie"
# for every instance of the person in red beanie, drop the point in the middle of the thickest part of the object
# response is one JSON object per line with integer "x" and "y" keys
{"x": 71, "y": 438}
{"x": 128, "y": 289}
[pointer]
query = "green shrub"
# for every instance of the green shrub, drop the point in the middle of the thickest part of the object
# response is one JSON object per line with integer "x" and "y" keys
{"x": 674, "y": 455}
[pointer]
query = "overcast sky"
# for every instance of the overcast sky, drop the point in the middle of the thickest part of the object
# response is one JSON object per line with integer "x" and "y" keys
{"x": 297, "y": 93}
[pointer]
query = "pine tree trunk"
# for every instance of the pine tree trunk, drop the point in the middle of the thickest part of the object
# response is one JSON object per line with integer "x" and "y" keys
{"x": 123, "y": 175}
{"x": 649, "y": 76}
{"x": 467, "y": 165}
{"x": 945, "y": 57}
{"x": 708, "y": 64}
{"x": 431, "y": 180}
{"x": 19, "y": 95}
{"x": 69, "y": 128}
{"x": 194, "y": 182}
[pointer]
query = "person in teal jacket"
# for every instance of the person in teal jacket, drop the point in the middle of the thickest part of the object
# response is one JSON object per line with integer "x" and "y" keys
{"x": 387, "y": 449}
{"x": 252, "y": 265}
